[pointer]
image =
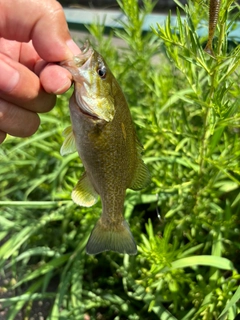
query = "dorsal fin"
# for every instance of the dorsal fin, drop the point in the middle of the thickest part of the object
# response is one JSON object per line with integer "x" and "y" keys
{"x": 141, "y": 176}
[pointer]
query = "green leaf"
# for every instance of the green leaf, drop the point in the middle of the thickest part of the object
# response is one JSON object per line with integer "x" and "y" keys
{"x": 47, "y": 267}
{"x": 235, "y": 298}
{"x": 211, "y": 261}
{"x": 158, "y": 308}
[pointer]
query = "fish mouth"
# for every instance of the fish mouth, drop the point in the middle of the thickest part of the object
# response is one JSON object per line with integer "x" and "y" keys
{"x": 83, "y": 104}
{"x": 81, "y": 61}
{"x": 78, "y": 61}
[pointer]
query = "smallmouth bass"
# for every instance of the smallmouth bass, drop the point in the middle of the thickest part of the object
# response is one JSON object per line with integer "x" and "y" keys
{"x": 103, "y": 133}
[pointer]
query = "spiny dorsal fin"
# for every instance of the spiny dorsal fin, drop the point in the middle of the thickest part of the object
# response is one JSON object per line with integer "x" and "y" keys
{"x": 110, "y": 238}
{"x": 84, "y": 193}
{"x": 141, "y": 177}
{"x": 68, "y": 145}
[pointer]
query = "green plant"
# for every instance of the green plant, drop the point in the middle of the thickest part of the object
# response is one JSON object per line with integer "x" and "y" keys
{"x": 185, "y": 105}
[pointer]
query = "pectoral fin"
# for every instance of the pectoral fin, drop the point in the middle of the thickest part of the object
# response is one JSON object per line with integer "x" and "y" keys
{"x": 68, "y": 145}
{"x": 141, "y": 177}
{"x": 84, "y": 193}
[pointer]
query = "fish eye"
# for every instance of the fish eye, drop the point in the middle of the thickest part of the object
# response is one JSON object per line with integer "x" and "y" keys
{"x": 102, "y": 72}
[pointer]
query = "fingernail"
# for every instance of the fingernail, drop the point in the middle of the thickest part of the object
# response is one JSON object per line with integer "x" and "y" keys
{"x": 73, "y": 47}
{"x": 64, "y": 88}
{"x": 9, "y": 77}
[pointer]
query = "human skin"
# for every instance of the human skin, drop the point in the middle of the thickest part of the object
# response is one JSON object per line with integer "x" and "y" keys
{"x": 33, "y": 37}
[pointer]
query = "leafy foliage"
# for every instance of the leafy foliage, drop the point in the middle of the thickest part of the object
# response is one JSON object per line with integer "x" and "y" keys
{"x": 186, "y": 108}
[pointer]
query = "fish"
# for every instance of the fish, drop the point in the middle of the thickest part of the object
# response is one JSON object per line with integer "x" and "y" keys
{"x": 214, "y": 8}
{"x": 104, "y": 135}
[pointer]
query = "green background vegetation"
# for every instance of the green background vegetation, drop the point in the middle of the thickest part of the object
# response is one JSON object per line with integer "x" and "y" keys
{"x": 185, "y": 105}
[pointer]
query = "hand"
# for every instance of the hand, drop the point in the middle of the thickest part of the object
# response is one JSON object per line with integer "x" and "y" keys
{"x": 33, "y": 35}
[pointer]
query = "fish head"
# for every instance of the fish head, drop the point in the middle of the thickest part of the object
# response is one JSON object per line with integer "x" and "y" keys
{"x": 93, "y": 84}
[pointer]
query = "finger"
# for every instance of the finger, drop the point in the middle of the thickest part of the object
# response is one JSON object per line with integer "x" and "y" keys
{"x": 47, "y": 27}
{"x": 17, "y": 121}
{"x": 2, "y": 136}
{"x": 22, "y": 87}
{"x": 55, "y": 79}
{"x": 28, "y": 56}
{"x": 11, "y": 49}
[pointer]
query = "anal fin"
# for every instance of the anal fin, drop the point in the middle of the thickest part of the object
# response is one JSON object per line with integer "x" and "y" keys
{"x": 84, "y": 193}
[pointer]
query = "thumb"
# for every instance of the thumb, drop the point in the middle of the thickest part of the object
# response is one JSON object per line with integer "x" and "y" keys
{"x": 43, "y": 22}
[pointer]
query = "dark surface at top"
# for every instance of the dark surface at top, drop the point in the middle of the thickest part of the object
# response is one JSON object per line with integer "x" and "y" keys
{"x": 161, "y": 5}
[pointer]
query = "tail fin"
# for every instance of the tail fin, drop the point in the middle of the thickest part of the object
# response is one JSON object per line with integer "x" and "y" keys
{"x": 118, "y": 239}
